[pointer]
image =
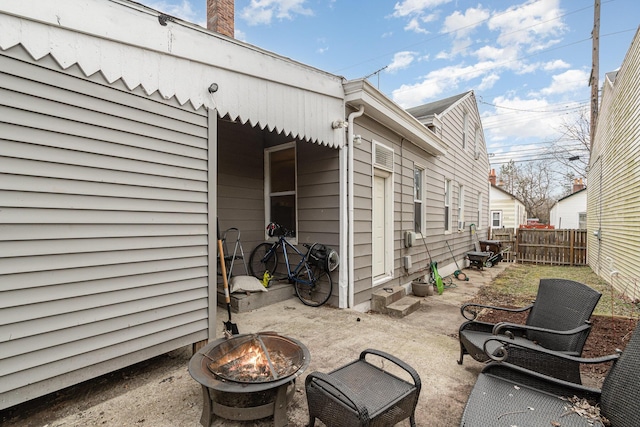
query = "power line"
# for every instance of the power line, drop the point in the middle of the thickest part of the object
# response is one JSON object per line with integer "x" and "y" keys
{"x": 530, "y": 111}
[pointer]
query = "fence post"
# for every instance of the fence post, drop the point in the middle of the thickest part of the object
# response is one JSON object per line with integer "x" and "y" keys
{"x": 572, "y": 255}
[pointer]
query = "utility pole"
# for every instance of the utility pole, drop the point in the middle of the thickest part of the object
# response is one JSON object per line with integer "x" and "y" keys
{"x": 594, "y": 80}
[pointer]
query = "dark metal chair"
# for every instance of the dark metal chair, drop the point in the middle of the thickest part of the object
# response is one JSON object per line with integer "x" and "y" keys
{"x": 363, "y": 394}
{"x": 557, "y": 320}
{"x": 509, "y": 395}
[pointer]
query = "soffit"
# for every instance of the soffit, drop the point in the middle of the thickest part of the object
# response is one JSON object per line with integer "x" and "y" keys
{"x": 392, "y": 116}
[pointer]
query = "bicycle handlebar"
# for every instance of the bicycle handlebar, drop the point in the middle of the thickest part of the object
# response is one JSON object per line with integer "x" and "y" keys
{"x": 275, "y": 226}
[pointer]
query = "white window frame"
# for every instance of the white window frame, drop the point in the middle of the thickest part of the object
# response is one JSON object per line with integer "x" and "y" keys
{"x": 447, "y": 206}
{"x": 460, "y": 207}
{"x": 499, "y": 219}
{"x": 267, "y": 186}
{"x": 584, "y": 222}
{"x": 419, "y": 199}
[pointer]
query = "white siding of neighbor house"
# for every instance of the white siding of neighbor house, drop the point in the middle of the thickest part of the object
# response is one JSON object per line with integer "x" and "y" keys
{"x": 458, "y": 165}
{"x": 104, "y": 226}
{"x": 566, "y": 212}
{"x": 513, "y": 211}
{"x": 613, "y": 200}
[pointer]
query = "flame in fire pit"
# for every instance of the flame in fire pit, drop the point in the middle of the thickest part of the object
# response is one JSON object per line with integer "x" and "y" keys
{"x": 255, "y": 358}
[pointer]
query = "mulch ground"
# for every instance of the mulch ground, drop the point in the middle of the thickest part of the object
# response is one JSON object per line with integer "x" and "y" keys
{"x": 608, "y": 334}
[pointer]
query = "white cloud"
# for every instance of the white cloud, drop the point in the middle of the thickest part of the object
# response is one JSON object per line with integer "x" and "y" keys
{"x": 568, "y": 81}
{"x": 488, "y": 81}
{"x": 461, "y": 25}
{"x": 492, "y": 53}
{"x": 412, "y": 95}
{"x": 240, "y": 35}
{"x": 519, "y": 119}
{"x": 415, "y": 7}
{"x": 401, "y": 60}
{"x": 414, "y": 25}
{"x": 436, "y": 82}
{"x": 555, "y": 65}
{"x": 532, "y": 23}
{"x": 264, "y": 11}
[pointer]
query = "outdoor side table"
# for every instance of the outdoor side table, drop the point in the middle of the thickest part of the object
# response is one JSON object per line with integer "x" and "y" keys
{"x": 362, "y": 394}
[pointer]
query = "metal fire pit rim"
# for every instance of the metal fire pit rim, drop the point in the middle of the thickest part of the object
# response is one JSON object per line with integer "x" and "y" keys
{"x": 259, "y": 336}
{"x": 199, "y": 371}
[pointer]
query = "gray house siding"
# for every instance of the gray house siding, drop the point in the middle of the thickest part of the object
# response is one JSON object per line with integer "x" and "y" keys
{"x": 405, "y": 154}
{"x": 463, "y": 168}
{"x": 104, "y": 226}
{"x": 467, "y": 167}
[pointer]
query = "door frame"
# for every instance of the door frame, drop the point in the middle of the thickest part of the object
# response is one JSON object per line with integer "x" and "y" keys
{"x": 388, "y": 226}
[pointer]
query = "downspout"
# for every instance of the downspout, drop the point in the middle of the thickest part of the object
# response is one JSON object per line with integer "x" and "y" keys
{"x": 350, "y": 136}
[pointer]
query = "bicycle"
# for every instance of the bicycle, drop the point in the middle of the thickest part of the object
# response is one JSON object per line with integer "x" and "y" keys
{"x": 311, "y": 277}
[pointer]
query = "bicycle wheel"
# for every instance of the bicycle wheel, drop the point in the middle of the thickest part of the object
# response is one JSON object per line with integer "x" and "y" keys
{"x": 262, "y": 259}
{"x": 316, "y": 291}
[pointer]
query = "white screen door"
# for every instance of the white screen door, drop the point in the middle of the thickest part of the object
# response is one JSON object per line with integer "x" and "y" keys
{"x": 378, "y": 226}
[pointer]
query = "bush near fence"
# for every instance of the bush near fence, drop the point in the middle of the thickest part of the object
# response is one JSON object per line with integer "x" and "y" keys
{"x": 548, "y": 247}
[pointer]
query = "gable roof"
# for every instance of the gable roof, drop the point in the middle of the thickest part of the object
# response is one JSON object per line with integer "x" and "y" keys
{"x": 502, "y": 190}
{"x": 436, "y": 107}
{"x": 572, "y": 194}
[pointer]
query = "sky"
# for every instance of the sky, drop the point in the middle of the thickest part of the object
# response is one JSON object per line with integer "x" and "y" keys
{"x": 528, "y": 62}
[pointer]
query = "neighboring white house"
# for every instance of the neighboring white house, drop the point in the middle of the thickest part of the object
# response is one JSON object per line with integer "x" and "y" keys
{"x": 570, "y": 211}
{"x": 505, "y": 209}
{"x": 613, "y": 201}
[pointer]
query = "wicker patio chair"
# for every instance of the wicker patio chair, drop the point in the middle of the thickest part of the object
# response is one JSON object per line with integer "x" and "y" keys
{"x": 363, "y": 394}
{"x": 557, "y": 320}
{"x": 507, "y": 395}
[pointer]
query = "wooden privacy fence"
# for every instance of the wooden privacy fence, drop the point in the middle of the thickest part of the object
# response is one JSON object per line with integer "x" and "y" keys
{"x": 551, "y": 247}
{"x": 506, "y": 236}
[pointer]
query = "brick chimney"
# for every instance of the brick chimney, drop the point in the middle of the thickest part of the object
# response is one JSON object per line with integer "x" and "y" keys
{"x": 492, "y": 177}
{"x": 578, "y": 185}
{"x": 220, "y": 17}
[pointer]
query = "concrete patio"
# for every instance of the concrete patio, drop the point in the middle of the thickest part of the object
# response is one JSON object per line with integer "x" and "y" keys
{"x": 160, "y": 392}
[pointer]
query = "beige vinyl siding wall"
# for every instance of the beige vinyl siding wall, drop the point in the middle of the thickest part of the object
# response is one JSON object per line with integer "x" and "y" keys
{"x": 104, "y": 226}
{"x": 613, "y": 191}
{"x": 458, "y": 165}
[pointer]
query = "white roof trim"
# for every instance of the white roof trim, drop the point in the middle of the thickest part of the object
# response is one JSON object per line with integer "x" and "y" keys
{"x": 392, "y": 116}
{"x": 124, "y": 40}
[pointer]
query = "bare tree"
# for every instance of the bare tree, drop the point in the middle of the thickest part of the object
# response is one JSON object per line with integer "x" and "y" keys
{"x": 532, "y": 183}
{"x": 572, "y": 150}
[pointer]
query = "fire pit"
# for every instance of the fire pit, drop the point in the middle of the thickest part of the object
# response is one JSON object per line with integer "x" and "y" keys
{"x": 248, "y": 377}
